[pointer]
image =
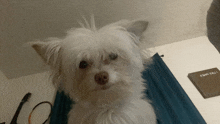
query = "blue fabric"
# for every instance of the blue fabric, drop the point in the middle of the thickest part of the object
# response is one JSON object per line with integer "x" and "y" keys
{"x": 171, "y": 103}
{"x": 61, "y": 108}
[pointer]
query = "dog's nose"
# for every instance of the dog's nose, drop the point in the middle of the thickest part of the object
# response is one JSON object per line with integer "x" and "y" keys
{"x": 102, "y": 78}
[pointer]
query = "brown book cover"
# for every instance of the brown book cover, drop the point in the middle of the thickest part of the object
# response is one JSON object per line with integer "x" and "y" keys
{"x": 207, "y": 82}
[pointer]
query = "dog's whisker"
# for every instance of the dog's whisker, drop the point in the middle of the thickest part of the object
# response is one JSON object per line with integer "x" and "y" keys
{"x": 81, "y": 24}
{"x": 93, "y": 27}
{"x": 86, "y": 22}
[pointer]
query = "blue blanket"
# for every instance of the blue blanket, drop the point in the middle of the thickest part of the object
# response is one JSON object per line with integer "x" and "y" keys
{"x": 171, "y": 103}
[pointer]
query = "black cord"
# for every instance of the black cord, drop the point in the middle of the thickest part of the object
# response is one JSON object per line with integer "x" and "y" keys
{"x": 25, "y": 99}
{"x": 29, "y": 119}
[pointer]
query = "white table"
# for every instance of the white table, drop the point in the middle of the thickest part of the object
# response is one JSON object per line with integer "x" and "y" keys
{"x": 12, "y": 91}
{"x": 190, "y": 56}
{"x": 181, "y": 57}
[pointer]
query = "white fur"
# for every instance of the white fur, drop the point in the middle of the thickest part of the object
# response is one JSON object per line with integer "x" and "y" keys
{"x": 122, "y": 102}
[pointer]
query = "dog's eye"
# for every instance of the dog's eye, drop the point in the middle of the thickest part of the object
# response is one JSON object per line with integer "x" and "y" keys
{"x": 83, "y": 64}
{"x": 113, "y": 56}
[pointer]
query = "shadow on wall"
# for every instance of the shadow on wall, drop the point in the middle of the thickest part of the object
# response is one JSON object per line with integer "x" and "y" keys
{"x": 24, "y": 21}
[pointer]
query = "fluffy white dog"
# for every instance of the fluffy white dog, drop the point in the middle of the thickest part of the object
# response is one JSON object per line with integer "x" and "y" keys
{"x": 100, "y": 69}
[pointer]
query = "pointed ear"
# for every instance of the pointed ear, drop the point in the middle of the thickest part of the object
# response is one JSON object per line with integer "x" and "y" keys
{"x": 49, "y": 51}
{"x": 40, "y": 48}
{"x": 137, "y": 27}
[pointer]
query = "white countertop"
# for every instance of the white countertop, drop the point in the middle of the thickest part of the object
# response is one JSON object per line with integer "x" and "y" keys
{"x": 181, "y": 57}
{"x": 12, "y": 91}
{"x": 190, "y": 56}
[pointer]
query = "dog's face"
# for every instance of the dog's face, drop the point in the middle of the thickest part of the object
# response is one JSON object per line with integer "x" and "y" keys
{"x": 96, "y": 65}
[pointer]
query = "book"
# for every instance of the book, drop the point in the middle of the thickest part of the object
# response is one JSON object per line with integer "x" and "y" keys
{"x": 207, "y": 82}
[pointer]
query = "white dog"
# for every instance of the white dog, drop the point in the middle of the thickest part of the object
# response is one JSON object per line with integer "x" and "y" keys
{"x": 100, "y": 69}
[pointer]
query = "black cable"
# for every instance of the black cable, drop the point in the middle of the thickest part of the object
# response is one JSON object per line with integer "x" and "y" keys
{"x": 29, "y": 118}
{"x": 25, "y": 99}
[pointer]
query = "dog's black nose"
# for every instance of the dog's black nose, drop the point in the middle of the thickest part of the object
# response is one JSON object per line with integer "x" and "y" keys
{"x": 102, "y": 78}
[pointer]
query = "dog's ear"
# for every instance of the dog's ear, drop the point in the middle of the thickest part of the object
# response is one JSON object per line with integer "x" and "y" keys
{"x": 137, "y": 27}
{"x": 49, "y": 51}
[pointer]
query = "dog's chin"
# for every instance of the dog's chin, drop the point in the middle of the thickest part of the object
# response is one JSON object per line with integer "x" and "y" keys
{"x": 103, "y": 95}
{"x": 102, "y": 88}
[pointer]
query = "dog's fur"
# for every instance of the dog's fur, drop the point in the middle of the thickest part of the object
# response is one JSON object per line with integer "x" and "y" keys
{"x": 120, "y": 100}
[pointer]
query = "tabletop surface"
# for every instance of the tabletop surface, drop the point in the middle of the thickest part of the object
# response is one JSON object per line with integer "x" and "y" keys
{"x": 190, "y": 56}
{"x": 181, "y": 57}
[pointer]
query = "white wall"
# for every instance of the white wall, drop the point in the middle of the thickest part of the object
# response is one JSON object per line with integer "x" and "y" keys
{"x": 27, "y": 20}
